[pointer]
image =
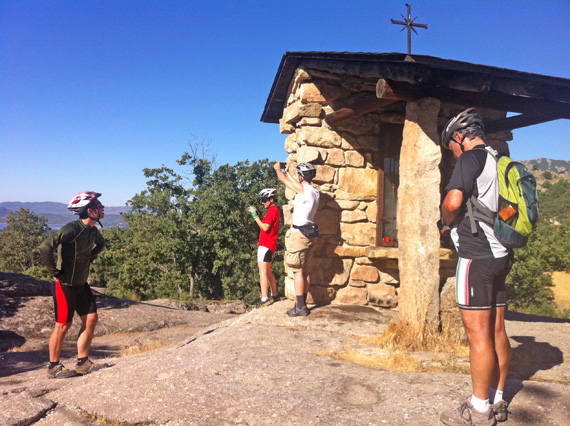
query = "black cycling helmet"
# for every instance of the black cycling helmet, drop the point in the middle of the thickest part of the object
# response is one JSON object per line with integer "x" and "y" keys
{"x": 307, "y": 170}
{"x": 463, "y": 120}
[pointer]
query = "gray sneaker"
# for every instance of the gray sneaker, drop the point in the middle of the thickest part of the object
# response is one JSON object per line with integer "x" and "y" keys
{"x": 296, "y": 312}
{"x": 500, "y": 410}
{"x": 59, "y": 371}
{"x": 89, "y": 367}
{"x": 466, "y": 415}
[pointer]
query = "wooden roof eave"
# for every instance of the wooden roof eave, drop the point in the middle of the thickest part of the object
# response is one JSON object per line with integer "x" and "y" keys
{"x": 539, "y": 98}
{"x": 533, "y": 111}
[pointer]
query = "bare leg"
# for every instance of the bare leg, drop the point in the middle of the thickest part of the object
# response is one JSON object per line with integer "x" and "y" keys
{"x": 56, "y": 340}
{"x": 272, "y": 281}
{"x": 263, "y": 279}
{"x": 502, "y": 351}
{"x": 86, "y": 333}
{"x": 480, "y": 333}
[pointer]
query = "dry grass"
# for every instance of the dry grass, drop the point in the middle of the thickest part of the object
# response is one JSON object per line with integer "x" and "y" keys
{"x": 103, "y": 420}
{"x": 21, "y": 349}
{"x": 138, "y": 347}
{"x": 410, "y": 350}
{"x": 403, "y": 337}
{"x": 561, "y": 289}
{"x": 395, "y": 361}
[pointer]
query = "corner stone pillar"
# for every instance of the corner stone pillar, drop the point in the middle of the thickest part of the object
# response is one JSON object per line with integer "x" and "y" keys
{"x": 418, "y": 213}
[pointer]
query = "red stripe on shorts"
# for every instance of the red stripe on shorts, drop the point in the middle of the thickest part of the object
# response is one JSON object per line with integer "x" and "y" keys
{"x": 61, "y": 304}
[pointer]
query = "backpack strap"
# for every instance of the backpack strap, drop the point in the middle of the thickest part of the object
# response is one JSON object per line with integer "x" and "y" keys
{"x": 477, "y": 211}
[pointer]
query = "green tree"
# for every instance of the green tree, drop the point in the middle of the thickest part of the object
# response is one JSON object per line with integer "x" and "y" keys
{"x": 19, "y": 243}
{"x": 189, "y": 234}
{"x": 547, "y": 175}
{"x": 154, "y": 256}
{"x": 228, "y": 233}
{"x": 548, "y": 250}
{"x": 555, "y": 202}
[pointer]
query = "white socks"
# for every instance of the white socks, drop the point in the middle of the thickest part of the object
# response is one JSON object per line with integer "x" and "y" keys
{"x": 481, "y": 405}
{"x": 496, "y": 394}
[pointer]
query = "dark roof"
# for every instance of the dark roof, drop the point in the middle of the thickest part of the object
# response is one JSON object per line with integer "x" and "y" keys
{"x": 376, "y": 65}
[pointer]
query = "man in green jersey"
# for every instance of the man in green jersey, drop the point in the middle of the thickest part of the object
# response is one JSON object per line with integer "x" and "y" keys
{"x": 76, "y": 245}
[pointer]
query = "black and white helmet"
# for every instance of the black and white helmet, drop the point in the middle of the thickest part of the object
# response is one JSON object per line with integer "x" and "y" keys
{"x": 267, "y": 193}
{"x": 463, "y": 120}
{"x": 307, "y": 170}
{"x": 81, "y": 201}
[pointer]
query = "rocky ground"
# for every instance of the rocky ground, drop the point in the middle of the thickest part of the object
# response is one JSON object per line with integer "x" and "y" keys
{"x": 257, "y": 368}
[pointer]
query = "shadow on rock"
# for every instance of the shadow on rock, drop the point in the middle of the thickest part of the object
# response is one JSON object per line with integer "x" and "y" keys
{"x": 17, "y": 289}
{"x": 518, "y": 316}
{"x": 22, "y": 361}
{"x": 529, "y": 415}
{"x": 531, "y": 356}
{"x": 9, "y": 340}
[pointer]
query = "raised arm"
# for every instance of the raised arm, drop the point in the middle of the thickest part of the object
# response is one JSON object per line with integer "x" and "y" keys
{"x": 288, "y": 180}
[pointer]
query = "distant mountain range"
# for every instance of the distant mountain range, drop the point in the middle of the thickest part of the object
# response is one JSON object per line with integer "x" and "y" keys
{"x": 57, "y": 213}
{"x": 556, "y": 166}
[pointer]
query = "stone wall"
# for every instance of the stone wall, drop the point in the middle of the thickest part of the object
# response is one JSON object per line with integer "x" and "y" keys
{"x": 347, "y": 266}
{"x": 342, "y": 271}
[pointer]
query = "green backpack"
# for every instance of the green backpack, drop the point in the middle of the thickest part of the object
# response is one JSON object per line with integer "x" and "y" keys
{"x": 518, "y": 204}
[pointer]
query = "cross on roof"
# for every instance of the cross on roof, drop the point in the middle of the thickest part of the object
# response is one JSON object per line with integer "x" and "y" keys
{"x": 409, "y": 24}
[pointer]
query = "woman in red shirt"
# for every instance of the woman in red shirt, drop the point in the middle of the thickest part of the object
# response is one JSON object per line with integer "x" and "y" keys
{"x": 267, "y": 244}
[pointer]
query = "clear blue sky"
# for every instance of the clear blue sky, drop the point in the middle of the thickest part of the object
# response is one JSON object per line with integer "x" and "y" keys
{"x": 92, "y": 92}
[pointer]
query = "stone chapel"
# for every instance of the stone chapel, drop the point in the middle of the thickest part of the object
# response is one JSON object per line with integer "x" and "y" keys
{"x": 370, "y": 124}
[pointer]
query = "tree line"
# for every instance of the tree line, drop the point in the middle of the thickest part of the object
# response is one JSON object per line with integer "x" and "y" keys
{"x": 189, "y": 236}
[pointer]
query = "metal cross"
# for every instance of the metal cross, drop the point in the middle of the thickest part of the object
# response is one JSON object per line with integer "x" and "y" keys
{"x": 409, "y": 24}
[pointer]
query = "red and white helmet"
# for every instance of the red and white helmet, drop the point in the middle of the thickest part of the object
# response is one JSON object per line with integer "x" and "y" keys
{"x": 81, "y": 201}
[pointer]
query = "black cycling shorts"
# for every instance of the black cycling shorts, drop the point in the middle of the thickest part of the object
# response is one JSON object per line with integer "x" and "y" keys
{"x": 480, "y": 283}
{"x": 70, "y": 299}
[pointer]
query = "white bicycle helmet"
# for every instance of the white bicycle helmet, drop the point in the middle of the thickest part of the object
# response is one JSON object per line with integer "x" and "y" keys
{"x": 267, "y": 193}
{"x": 307, "y": 170}
{"x": 81, "y": 201}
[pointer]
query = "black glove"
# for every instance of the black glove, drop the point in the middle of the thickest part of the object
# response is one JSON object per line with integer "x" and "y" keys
{"x": 58, "y": 275}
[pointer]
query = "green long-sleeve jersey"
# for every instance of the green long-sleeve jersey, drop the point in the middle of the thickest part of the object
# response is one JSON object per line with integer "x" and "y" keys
{"x": 77, "y": 245}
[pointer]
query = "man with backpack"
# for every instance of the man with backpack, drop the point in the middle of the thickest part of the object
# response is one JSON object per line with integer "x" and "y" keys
{"x": 482, "y": 268}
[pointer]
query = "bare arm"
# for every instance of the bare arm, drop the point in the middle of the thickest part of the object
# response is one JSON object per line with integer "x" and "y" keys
{"x": 264, "y": 226}
{"x": 451, "y": 206}
{"x": 289, "y": 181}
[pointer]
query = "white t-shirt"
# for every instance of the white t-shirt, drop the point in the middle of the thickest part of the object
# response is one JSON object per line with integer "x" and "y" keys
{"x": 305, "y": 205}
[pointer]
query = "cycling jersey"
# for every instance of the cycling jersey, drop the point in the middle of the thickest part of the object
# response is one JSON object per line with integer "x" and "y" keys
{"x": 269, "y": 239}
{"x": 77, "y": 245}
{"x": 476, "y": 174}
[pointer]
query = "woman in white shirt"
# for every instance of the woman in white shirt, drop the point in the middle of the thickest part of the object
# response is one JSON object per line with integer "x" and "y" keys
{"x": 297, "y": 244}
